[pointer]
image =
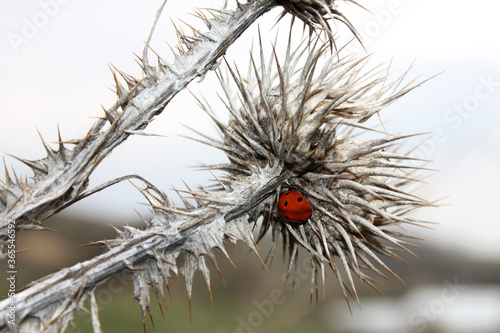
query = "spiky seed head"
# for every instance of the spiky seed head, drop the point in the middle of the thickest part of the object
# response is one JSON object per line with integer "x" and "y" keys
{"x": 318, "y": 15}
{"x": 298, "y": 119}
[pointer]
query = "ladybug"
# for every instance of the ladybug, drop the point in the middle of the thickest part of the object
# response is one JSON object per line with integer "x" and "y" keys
{"x": 294, "y": 207}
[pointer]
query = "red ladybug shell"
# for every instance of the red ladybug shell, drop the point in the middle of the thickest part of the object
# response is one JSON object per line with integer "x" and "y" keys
{"x": 294, "y": 207}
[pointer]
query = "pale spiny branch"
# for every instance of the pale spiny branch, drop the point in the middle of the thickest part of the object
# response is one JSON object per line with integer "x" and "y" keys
{"x": 63, "y": 175}
{"x": 291, "y": 129}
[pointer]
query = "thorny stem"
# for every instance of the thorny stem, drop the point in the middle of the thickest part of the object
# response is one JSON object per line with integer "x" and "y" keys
{"x": 83, "y": 277}
{"x": 71, "y": 179}
{"x": 363, "y": 204}
{"x": 74, "y": 284}
{"x": 51, "y": 196}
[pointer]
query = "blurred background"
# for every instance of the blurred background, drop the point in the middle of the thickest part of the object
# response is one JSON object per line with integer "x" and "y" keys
{"x": 55, "y": 72}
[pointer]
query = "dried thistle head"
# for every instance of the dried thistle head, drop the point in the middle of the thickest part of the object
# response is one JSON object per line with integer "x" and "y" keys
{"x": 318, "y": 15}
{"x": 293, "y": 126}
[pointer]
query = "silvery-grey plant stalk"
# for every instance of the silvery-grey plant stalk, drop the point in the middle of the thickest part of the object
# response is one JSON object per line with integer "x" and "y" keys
{"x": 62, "y": 176}
{"x": 295, "y": 124}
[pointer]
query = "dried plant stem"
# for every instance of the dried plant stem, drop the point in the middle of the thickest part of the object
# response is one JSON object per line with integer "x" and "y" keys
{"x": 150, "y": 255}
{"x": 74, "y": 283}
{"x": 296, "y": 126}
{"x": 64, "y": 291}
{"x": 64, "y": 174}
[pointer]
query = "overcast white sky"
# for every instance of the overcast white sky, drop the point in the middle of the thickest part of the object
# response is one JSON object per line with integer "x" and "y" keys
{"x": 54, "y": 70}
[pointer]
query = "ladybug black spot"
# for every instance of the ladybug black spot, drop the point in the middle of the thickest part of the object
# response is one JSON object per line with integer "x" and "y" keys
{"x": 300, "y": 199}
{"x": 286, "y": 203}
